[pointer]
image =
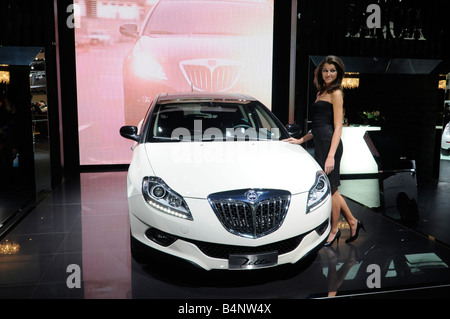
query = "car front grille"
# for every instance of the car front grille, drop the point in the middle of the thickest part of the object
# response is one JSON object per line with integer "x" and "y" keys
{"x": 211, "y": 75}
{"x": 251, "y": 216}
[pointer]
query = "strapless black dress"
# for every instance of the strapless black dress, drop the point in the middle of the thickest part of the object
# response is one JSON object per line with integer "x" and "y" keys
{"x": 322, "y": 128}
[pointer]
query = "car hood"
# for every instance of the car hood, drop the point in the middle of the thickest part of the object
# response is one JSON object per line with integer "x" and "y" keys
{"x": 197, "y": 169}
{"x": 205, "y": 45}
{"x": 166, "y": 51}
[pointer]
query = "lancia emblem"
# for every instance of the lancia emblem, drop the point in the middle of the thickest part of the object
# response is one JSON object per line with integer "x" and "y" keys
{"x": 211, "y": 63}
{"x": 252, "y": 196}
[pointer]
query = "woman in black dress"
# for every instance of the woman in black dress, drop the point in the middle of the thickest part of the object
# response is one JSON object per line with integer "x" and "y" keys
{"x": 327, "y": 118}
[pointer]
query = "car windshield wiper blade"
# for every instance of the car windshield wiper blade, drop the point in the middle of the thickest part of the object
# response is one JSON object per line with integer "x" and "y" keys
{"x": 170, "y": 139}
{"x": 213, "y": 139}
{"x": 159, "y": 32}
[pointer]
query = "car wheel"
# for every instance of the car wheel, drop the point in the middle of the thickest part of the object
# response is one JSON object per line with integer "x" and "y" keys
{"x": 445, "y": 152}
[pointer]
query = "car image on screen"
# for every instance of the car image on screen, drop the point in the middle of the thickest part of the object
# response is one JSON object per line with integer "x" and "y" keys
{"x": 198, "y": 46}
{"x": 211, "y": 181}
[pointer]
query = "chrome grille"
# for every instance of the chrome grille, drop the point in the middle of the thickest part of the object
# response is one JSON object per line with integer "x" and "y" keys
{"x": 211, "y": 75}
{"x": 248, "y": 218}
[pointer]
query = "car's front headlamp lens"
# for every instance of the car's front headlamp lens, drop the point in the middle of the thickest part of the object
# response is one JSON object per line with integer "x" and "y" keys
{"x": 319, "y": 192}
{"x": 160, "y": 196}
{"x": 145, "y": 67}
{"x": 158, "y": 191}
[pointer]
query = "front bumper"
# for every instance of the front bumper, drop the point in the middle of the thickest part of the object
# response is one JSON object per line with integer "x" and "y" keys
{"x": 206, "y": 243}
{"x": 445, "y": 144}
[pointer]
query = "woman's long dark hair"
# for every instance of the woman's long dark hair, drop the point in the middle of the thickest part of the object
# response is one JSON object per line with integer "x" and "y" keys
{"x": 318, "y": 79}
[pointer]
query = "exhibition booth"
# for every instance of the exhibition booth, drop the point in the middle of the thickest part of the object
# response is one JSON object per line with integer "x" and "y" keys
{"x": 87, "y": 68}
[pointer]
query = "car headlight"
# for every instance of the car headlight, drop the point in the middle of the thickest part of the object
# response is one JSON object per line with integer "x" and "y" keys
{"x": 160, "y": 196}
{"x": 319, "y": 192}
{"x": 145, "y": 67}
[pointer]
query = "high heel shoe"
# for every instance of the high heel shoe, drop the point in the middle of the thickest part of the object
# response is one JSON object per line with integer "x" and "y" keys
{"x": 336, "y": 237}
{"x": 359, "y": 225}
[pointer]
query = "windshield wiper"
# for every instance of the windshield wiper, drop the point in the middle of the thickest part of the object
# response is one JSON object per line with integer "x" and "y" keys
{"x": 159, "y": 32}
{"x": 170, "y": 139}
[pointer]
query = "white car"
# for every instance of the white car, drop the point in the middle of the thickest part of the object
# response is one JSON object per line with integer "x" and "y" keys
{"x": 445, "y": 142}
{"x": 212, "y": 182}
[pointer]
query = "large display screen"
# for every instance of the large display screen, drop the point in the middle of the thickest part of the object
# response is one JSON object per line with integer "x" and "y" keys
{"x": 127, "y": 52}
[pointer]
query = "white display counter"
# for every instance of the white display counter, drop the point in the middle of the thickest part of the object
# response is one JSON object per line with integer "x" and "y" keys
{"x": 357, "y": 158}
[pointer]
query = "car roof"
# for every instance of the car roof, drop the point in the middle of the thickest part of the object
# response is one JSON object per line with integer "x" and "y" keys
{"x": 178, "y": 97}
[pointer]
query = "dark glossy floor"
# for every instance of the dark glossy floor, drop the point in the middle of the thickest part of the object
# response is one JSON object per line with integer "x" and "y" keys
{"x": 434, "y": 207}
{"x": 83, "y": 225}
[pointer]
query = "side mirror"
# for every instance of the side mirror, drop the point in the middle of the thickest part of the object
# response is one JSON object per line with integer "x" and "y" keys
{"x": 129, "y": 30}
{"x": 130, "y": 132}
{"x": 293, "y": 129}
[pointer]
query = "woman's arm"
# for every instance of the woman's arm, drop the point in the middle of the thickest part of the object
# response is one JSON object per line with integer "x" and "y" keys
{"x": 305, "y": 138}
{"x": 338, "y": 114}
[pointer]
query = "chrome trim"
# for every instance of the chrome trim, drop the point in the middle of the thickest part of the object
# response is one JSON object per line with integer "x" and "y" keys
{"x": 248, "y": 218}
{"x": 211, "y": 75}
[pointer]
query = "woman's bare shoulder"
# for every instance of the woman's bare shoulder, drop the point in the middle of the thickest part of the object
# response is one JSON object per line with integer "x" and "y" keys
{"x": 336, "y": 97}
{"x": 336, "y": 94}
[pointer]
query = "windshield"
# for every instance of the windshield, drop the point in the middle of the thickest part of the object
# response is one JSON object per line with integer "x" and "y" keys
{"x": 213, "y": 121}
{"x": 211, "y": 18}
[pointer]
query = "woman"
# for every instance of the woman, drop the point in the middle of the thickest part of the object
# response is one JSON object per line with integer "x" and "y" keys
{"x": 327, "y": 117}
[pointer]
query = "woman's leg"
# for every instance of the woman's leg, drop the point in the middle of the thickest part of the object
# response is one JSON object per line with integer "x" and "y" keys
{"x": 346, "y": 212}
{"x": 335, "y": 211}
{"x": 339, "y": 206}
